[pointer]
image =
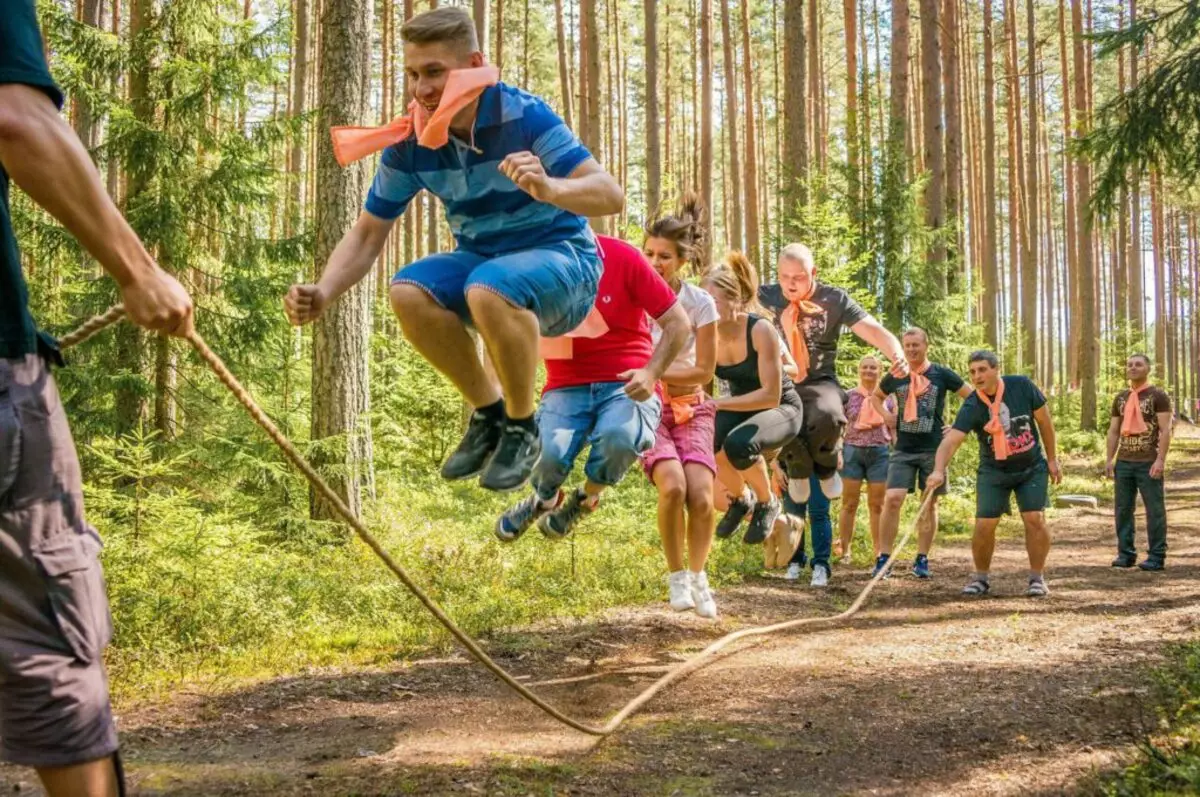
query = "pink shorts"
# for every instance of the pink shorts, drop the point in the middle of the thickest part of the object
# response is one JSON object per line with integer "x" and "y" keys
{"x": 684, "y": 443}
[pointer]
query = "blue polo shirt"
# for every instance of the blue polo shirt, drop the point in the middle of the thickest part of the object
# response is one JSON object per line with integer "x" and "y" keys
{"x": 21, "y": 61}
{"x": 487, "y": 212}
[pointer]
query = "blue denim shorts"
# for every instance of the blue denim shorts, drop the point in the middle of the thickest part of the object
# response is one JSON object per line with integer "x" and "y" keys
{"x": 617, "y": 428}
{"x": 865, "y": 463}
{"x": 556, "y": 282}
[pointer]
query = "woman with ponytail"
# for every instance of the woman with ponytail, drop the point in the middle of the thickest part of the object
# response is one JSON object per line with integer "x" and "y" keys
{"x": 681, "y": 464}
{"x": 763, "y": 411}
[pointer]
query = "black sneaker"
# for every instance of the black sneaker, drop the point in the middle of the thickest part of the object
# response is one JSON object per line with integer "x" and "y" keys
{"x": 762, "y": 522}
{"x": 1151, "y": 564}
{"x": 477, "y": 445}
{"x": 1123, "y": 562}
{"x": 733, "y": 517}
{"x": 517, "y": 519}
{"x": 558, "y": 524}
{"x": 513, "y": 461}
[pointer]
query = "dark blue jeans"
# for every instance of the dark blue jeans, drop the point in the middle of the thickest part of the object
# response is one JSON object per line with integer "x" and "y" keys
{"x": 817, "y": 510}
{"x": 1129, "y": 479}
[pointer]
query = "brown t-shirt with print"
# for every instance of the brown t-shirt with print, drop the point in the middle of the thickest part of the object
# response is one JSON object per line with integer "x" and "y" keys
{"x": 1142, "y": 447}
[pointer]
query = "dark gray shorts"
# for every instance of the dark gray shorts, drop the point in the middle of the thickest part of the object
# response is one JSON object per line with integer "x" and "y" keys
{"x": 906, "y": 471}
{"x": 54, "y": 620}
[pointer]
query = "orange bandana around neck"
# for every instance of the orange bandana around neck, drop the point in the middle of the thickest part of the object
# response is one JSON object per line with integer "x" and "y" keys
{"x": 795, "y": 334}
{"x": 868, "y": 416}
{"x": 1132, "y": 421}
{"x": 994, "y": 427}
{"x": 463, "y": 86}
{"x": 918, "y": 385}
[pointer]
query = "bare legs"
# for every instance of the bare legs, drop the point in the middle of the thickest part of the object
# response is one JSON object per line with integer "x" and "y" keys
{"x": 683, "y": 487}
{"x": 91, "y": 779}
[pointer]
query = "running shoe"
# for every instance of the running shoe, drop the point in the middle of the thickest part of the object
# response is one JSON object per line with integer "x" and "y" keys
{"x": 1151, "y": 564}
{"x": 517, "y": 519}
{"x": 976, "y": 587}
{"x": 880, "y": 562}
{"x": 733, "y": 517}
{"x": 1037, "y": 588}
{"x": 762, "y": 522}
{"x": 558, "y": 524}
{"x": 476, "y": 447}
{"x": 679, "y": 590}
{"x": 513, "y": 461}
{"x": 820, "y": 576}
{"x": 1124, "y": 562}
{"x": 793, "y": 571}
{"x": 920, "y": 567}
{"x": 702, "y": 596}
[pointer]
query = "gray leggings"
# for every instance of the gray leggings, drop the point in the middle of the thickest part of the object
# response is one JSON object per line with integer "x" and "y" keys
{"x": 744, "y": 436}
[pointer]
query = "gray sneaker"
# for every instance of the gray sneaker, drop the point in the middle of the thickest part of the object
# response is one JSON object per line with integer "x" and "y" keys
{"x": 558, "y": 524}
{"x": 762, "y": 522}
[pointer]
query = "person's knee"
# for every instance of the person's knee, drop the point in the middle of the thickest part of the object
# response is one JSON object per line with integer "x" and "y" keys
{"x": 700, "y": 498}
{"x": 741, "y": 451}
{"x": 671, "y": 489}
{"x": 411, "y": 304}
{"x": 893, "y": 500}
{"x": 612, "y": 455}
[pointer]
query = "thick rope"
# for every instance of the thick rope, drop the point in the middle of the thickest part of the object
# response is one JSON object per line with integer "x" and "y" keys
{"x": 117, "y": 312}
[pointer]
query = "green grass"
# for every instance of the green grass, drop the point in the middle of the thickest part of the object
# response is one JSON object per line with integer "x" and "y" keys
{"x": 1168, "y": 760}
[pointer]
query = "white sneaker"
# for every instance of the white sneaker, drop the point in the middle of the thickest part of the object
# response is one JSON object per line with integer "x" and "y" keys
{"x": 799, "y": 490}
{"x": 832, "y": 487}
{"x": 820, "y": 576}
{"x": 702, "y": 596}
{"x": 793, "y": 572}
{"x": 679, "y": 586}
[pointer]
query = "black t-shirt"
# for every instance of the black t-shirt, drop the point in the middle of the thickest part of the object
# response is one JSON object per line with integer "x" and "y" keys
{"x": 821, "y": 331}
{"x": 1142, "y": 447}
{"x": 925, "y": 433}
{"x": 21, "y": 61}
{"x": 1021, "y": 399}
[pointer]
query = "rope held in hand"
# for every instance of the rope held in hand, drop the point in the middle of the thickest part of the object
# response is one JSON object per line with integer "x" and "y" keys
{"x": 117, "y": 312}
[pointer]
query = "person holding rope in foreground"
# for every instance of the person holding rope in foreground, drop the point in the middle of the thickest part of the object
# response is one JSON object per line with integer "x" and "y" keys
{"x": 1006, "y": 413}
{"x": 518, "y": 187}
{"x": 602, "y": 392}
{"x": 1139, "y": 435}
{"x": 55, "y": 714}
{"x": 921, "y": 397}
{"x": 681, "y": 464}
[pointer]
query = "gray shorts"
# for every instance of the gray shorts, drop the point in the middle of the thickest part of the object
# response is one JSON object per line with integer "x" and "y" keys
{"x": 908, "y": 470}
{"x": 54, "y": 620}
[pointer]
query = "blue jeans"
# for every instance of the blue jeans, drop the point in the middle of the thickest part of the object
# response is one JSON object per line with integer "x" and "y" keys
{"x": 817, "y": 509}
{"x": 1129, "y": 479}
{"x": 557, "y": 282}
{"x": 617, "y": 427}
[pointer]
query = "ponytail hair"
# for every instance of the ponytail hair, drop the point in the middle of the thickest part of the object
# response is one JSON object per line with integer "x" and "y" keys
{"x": 686, "y": 229}
{"x": 737, "y": 280}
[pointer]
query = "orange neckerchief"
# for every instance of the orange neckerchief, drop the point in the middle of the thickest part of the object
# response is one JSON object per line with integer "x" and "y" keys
{"x": 795, "y": 335}
{"x": 684, "y": 407}
{"x": 868, "y": 416}
{"x": 993, "y": 426}
{"x": 463, "y": 86}
{"x": 1132, "y": 421}
{"x": 917, "y": 385}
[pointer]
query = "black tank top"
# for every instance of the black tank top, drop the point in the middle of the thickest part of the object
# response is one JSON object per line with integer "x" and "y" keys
{"x": 743, "y": 377}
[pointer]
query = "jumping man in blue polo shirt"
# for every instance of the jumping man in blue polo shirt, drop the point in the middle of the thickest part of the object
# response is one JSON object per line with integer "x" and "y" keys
{"x": 517, "y": 185}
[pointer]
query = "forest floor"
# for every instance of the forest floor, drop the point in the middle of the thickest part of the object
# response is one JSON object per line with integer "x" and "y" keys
{"x": 923, "y": 692}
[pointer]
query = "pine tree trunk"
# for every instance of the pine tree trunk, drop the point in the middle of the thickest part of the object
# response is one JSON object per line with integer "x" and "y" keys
{"x": 165, "y": 421}
{"x": 1137, "y": 290}
{"x": 896, "y": 161}
{"x": 341, "y": 341}
{"x": 752, "y": 236}
{"x": 706, "y": 116}
{"x": 932, "y": 139}
{"x": 82, "y": 116}
{"x": 564, "y": 77}
{"x": 954, "y": 136}
{"x": 1156, "y": 221}
{"x": 989, "y": 211}
{"x": 1072, "y": 240}
{"x": 793, "y": 187}
{"x": 588, "y": 24}
{"x": 480, "y": 14}
{"x": 1090, "y": 333}
{"x": 1016, "y": 160}
{"x": 733, "y": 177}
{"x": 853, "y": 167}
{"x": 1030, "y": 271}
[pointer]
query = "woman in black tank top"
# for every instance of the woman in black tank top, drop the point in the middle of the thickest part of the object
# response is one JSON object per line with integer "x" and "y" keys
{"x": 763, "y": 411}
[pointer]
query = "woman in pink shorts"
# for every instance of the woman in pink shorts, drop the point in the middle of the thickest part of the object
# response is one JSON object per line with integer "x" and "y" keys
{"x": 681, "y": 463}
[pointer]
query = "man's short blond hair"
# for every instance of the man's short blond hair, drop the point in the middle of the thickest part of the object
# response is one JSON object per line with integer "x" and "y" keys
{"x": 799, "y": 253}
{"x": 916, "y": 332}
{"x": 450, "y": 25}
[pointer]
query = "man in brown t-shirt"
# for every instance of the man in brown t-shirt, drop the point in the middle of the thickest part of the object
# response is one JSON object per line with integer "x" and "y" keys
{"x": 1138, "y": 437}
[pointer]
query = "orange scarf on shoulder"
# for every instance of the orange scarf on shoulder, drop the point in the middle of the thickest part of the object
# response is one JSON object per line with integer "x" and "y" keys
{"x": 790, "y": 319}
{"x": 868, "y": 416}
{"x": 463, "y": 87}
{"x": 1132, "y": 421}
{"x": 994, "y": 427}
{"x": 918, "y": 385}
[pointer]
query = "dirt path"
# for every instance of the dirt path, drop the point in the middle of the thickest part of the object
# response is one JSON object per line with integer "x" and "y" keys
{"x": 923, "y": 693}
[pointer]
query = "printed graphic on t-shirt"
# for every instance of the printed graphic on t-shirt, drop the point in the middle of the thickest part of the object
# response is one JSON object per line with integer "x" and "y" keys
{"x": 1147, "y": 441}
{"x": 815, "y": 327}
{"x": 1018, "y": 430}
{"x": 926, "y": 408}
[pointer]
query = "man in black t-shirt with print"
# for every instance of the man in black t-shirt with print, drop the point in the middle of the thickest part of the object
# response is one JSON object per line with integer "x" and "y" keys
{"x": 1010, "y": 417}
{"x": 921, "y": 409}
{"x": 810, "y": 316}
{"x": 54, "y": 622}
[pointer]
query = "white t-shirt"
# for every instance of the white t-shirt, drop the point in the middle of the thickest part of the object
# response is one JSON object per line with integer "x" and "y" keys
{"x": 701, "y": 311}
